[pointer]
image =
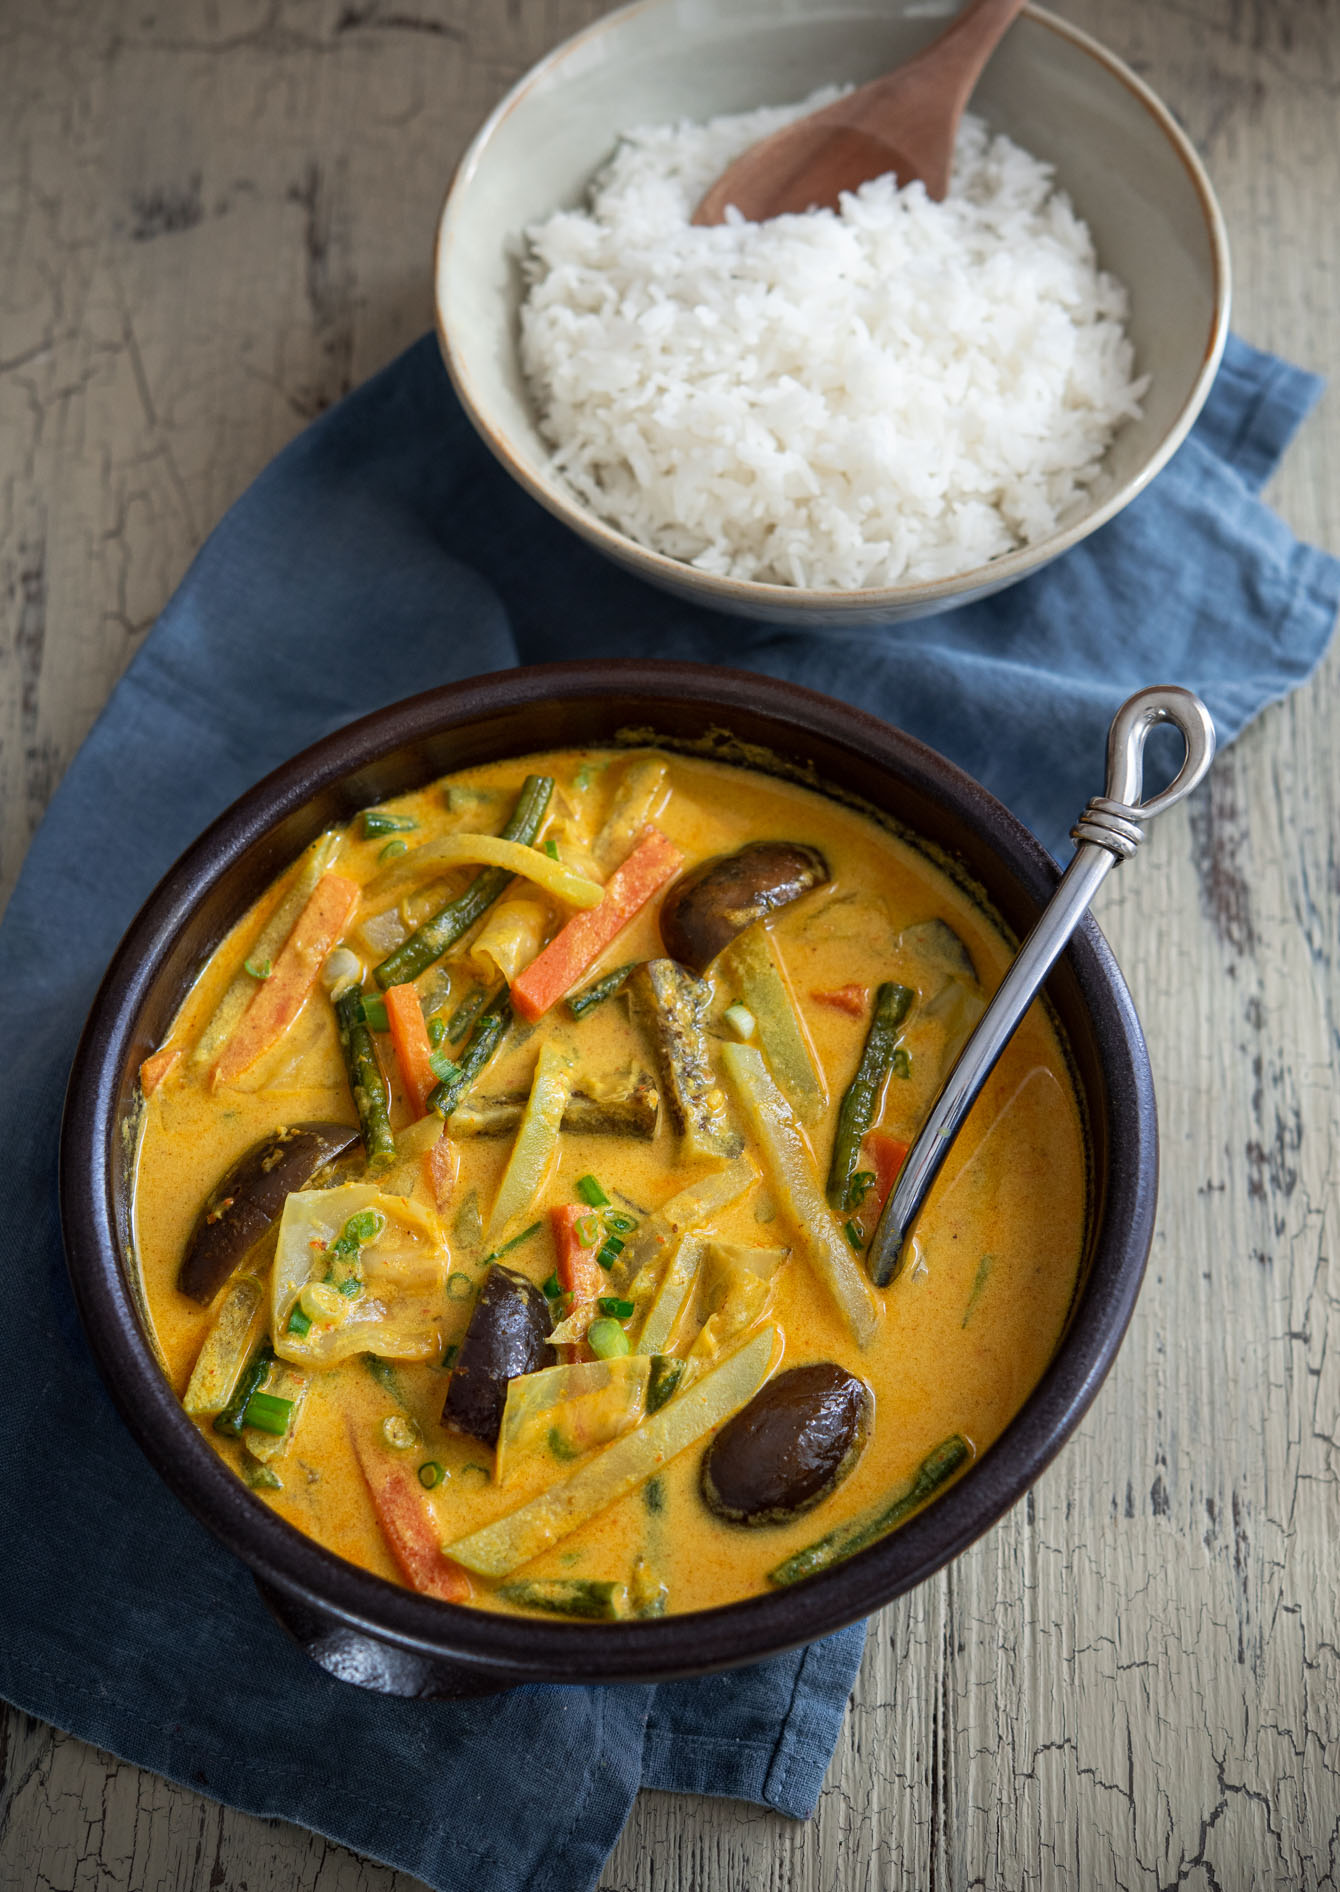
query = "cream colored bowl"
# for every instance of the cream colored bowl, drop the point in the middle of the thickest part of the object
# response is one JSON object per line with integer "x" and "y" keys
{"x": 1129, "y": 170}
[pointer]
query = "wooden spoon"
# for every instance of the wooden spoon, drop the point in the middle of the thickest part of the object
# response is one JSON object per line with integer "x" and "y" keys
{"x": 905, "y": 122}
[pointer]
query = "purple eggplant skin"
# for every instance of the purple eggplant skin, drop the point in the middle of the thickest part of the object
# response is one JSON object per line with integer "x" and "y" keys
{"x": 708, "y": 906}
{"x": 508, "y": 1335}
{"x": 790, "y": 1447}
{"x": 244, "y": 1203}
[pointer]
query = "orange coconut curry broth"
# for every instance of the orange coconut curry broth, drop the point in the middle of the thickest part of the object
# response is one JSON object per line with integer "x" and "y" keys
{"x": 506, "y": 1186}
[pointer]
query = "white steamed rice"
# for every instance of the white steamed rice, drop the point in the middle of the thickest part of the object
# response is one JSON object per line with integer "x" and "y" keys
{"x": 898, "y": 391}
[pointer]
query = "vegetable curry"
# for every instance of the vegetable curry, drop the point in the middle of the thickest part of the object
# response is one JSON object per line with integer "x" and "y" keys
{"x": 506, "y": 1182}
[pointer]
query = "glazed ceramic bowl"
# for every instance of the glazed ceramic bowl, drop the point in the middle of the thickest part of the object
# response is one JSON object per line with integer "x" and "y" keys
{"x": 372, "y": 1631}
{"x": 1130, "y": 172}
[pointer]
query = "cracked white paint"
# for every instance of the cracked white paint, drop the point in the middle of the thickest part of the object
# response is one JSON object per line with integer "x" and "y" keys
{"x": 215, "y": 215}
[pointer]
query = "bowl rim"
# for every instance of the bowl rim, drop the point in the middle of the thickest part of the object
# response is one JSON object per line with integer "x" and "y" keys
{"x": 501, "y": 1649}
{"x": 729, "y": 593}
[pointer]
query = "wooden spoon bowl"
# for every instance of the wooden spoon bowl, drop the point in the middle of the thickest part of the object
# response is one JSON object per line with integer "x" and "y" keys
{"x": 905, "y": 122}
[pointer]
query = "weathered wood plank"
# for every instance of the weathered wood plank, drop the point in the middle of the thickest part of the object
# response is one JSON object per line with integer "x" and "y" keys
{"x": 1133, "y": 1680}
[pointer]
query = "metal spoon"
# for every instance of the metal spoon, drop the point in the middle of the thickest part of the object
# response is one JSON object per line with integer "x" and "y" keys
{"x": 905, "y": 122}
{"x": 1109, "y": 831}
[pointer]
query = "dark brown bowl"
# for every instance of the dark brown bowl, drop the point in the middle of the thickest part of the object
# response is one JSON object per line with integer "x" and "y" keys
{"x": 373, "y": 1632}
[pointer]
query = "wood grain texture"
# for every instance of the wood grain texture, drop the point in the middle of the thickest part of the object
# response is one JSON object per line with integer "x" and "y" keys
{"x": 215, "y": 217}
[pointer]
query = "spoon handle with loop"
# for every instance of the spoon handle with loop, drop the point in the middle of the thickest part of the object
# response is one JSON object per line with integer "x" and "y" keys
{"x": 1109, "y": 831}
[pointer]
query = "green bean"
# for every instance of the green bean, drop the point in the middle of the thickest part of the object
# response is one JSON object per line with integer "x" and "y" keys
{"x": 857, "y": 1111}
{"x": 231, "y": 1420}
{"x": 429, "y": 941}
{"x": 365, "y": 1079}
{"x": 478, "y": 1049}
{"x": 859, "y": 1533}
{"x": 464, "y": 1015}
{"x": 581, "y": 1002}
{"x": 589, "y": 1597}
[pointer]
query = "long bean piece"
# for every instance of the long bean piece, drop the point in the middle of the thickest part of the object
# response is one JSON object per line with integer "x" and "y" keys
{"x": 859, "y": 1533}
{"x": 582, "y": 1002}
{"x": 447, "y": 925}
{"x": 857, "y": 1110}
{"x": 479, "y": 1047}
{"x": 365, "y": 1079}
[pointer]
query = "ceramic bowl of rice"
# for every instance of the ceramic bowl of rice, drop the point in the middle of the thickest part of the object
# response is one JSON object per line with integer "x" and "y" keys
{"x": 843, "y": 417}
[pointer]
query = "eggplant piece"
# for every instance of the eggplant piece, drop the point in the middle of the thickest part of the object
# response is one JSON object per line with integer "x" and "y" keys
{"x": 671, "y": 1006}
{"x": 792, "y": 1446}
{"x": 508, "y": 1335}
{"x": 243, "y": 1203}
{"x": 631, "y": 1110}
{"x": 938, "y": 946}
{"x": 708, "y": 906}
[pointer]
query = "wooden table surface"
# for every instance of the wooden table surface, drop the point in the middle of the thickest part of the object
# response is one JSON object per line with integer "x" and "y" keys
{"x": 215, "y": 218}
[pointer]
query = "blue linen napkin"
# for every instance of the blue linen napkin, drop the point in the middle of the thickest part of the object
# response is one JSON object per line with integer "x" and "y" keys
{"x": 382, "y": 553}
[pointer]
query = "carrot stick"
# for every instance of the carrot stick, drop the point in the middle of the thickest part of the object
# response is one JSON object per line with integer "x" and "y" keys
{"x": 573, "y": 951}
{"x": 851, "y": 999}
{"x": 413, "y": 1052}
{"x": 398, "y": 1501}
{"x": 279, "y": 998}
{"x": 578, "y": 1271}
{"x": 887, "y": 1155}
{"x": 156, "y": 1068}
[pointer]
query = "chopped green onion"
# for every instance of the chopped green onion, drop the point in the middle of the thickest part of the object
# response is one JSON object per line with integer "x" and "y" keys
{"x": 515, "y": 1242}
{"x": 464, "y": 1015}
{"x": 372, "y": 1011}
{"x": 392, "y": 849}
{"x": 375, "y": 822}
{"x": 591, "y": 1193}
{"x": 430, "y": 1474}
{"x": 551, "y": 848}
{"x": 607, "y": 1339}
{"x": 259, "y": 971}
{"x": 460, "y": 1287}
{"x": 351, "y": 1288}
{"x": 854, "y": 1236}
{"x": 619, "y": 1224}
{"x": 740, "y": 1019}
{"x": 586, "y": 1229}
{"x": 268, "y": 1413}
{"x": 444, "y": 1067}
{"x": 437, "y": 1031}
{"x": 610, "y": 1253}
{"x": 298, "y": 1322}
{"x": 401, "y": 1433}
{"x": 860, "y": 1186}
{"x": 366, "y": 1226}
{"x": 616, "y": 1309}
{"x": 553, "y": 1287}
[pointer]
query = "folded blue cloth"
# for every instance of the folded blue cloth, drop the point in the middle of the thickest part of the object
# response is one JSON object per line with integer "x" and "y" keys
{"x": 382, "y": 553}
